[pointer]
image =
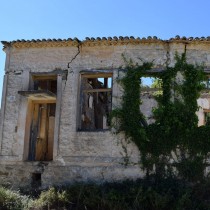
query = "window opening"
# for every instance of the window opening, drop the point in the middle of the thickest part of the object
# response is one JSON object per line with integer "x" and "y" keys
{"x": 207, "y": 117}
{"x": 153, "y": 85}
{"x": 96, "y": 98}
{"x": 203, "y": 103}
{"x": 49, "y": 85}
{"x": 206, "y": 83}
{"x": 150, "y": 87}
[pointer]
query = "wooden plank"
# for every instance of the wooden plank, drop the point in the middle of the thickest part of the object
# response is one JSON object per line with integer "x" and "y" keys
{"x": 41, "y": 144}
{"x": 38, "y": 94}
{"x": 50, "y": 137}
{"x": 28, "y": 120}
{"x": 33, "y": 131}
{"x": 43, "y": 98}
{"x": 51, "y": 73}
{"x": 44, "y": 101}
{"x": 206, "y": 110}
{"x": 57, "y": 115}
{"x": 96, "y": 75}
{"x": 44, "y": 77}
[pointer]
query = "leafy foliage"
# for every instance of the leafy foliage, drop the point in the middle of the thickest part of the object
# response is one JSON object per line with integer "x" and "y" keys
{"x": 12, "y": 200}
{"x": 49, "y": 199}
{"x": 156, "y": 83}
{"x": 174, "y": 141}
{"x": 132, "y": 121}
{"x": 144, "y": 194}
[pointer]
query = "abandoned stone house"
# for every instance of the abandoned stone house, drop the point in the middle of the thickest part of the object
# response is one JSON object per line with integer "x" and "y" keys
{"x": 56, "y": 100}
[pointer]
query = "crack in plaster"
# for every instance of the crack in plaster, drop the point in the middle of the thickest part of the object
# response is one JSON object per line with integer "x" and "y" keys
{"x": 68, "y": 66}
{"x": 78, "y": 47}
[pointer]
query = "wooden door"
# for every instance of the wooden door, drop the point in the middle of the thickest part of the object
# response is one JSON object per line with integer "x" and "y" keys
{"x": 42, "y": 132}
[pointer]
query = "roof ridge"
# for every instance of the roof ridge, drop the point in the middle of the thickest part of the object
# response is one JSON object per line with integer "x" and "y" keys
{"x": 89, "y": 41}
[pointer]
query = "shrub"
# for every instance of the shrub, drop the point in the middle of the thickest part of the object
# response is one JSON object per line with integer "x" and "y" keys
{"x": 12, "y": 200}
{"x": 49, "y": 199}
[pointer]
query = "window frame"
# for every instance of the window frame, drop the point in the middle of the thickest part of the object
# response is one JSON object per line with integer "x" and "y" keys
{"x": 92, "y": 74}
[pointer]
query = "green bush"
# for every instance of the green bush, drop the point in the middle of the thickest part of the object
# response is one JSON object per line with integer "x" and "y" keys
{"x": 146, "y": 194}
{"x": 49, "y": 199}
{"x": 12, "y": 200}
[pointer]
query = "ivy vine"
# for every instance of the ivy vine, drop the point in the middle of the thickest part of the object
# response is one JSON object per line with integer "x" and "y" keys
{"x": 173, "y": 144}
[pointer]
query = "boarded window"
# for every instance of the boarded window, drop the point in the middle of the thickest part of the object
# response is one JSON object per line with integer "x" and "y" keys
{"x": 96, "y": 98}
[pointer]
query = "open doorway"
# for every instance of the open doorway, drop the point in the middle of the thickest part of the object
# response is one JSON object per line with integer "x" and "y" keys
{"x": 40, "y": 122}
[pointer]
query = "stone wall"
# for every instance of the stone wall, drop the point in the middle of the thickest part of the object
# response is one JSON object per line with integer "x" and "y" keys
{"x": 82, "y": 156}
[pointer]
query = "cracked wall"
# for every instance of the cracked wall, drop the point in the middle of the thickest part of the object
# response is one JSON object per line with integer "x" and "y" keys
{"x": 83, "y": 155}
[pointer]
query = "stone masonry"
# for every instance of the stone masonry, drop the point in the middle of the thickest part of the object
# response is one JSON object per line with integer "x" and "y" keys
{"x": 77, "y": 155}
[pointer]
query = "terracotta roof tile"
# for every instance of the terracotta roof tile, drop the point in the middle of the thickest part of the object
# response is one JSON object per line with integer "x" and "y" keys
{"x": 91, "y": 41}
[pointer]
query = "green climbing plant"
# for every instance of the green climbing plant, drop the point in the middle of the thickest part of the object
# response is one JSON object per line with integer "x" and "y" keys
{"x": 132, "y": 120}
{"x": 173, "y": 144}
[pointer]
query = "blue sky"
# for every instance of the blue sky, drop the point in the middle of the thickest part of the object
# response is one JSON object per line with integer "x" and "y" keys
{"x": 37, "y": 19}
